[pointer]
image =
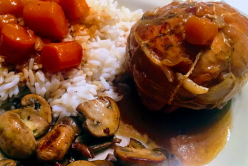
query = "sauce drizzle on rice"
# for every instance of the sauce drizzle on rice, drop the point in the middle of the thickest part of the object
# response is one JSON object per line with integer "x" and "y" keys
{"x": 102, "y": 34}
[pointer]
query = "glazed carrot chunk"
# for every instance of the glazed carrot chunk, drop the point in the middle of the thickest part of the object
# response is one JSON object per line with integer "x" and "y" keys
{"x": 10, "y": 6}
{"x": 6, "y": 19}
{"x": 200, "y": 31}
{"x": 24, "y": 2}
{"x": 74, "y": 9}
{"x": 46, "y": 19}
{"x": 17, "y": 43}
{"x": 52, "y": 1}
{"x": 59, "y": 56}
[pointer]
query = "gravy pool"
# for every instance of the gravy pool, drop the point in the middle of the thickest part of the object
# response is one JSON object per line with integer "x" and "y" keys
{"x": 196, "y": 137}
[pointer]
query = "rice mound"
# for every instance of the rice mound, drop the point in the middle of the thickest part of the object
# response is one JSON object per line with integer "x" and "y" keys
{"x": 103, "y": 36}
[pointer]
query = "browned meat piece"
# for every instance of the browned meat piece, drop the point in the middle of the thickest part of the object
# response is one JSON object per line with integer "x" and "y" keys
{"x": 191, "y": 55}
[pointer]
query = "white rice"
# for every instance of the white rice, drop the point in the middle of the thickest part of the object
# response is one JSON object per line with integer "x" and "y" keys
{"x": 103, "y": 42}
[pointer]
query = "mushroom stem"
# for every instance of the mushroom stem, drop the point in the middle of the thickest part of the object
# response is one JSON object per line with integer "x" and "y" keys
{"x": 83, "y": 149}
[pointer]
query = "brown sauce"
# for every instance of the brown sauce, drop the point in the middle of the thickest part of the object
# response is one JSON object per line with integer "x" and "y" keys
{"x": 195, "y": 137}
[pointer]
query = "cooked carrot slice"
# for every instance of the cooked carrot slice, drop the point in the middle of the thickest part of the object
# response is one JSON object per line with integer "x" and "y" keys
{"x": 46, "y": 19}
{"x": 6, "y": 19}
{"x": 52, "y": 1}
{"x": 59, "y": 56}
{"x": 199, "y": 31}
{"x": 24, "y": 2}
{"x": 74, "y": 9}
{"x": 11, "y": 7}
{"x": 17, "y": 43}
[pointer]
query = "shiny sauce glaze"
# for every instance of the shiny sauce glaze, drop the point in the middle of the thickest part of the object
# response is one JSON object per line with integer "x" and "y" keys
{"x": 195, "y": 137}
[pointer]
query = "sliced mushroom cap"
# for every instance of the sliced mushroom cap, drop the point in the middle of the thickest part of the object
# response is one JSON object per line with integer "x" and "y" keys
{"x": 102, "y": 116}
{"x": 16, "y": 139}
{"x": 82, "y": 163}
{"x": 133, "y": 143}
{"x": 102, "y": 163}
{"x": 172, "y": 159}
{"x": 69, "y": 121}
{"x": 7, "y": 162}
{"x": 39, "y": 104}
{"x": 139, "y": 157}
{"x": 38, "y": 125}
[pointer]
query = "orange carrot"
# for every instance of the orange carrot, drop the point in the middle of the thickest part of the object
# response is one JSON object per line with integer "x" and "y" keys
{"x": 59, "y": 56}
{"x": 11, "y": 7}
{"x": 199, "y": 31}
{"x": 57, "y": 1}
{"x": 24, "y": 2}
{"x": 46, "y": 19}
{"x": 17, "y": 43}
{"x": 74, "y": 9}
{"x": 6, "y": 19}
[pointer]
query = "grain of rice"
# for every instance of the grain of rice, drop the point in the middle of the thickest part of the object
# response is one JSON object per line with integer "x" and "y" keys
{"x": 31, "y": 77}
{"x": 94, "y": 62}
{"x": 12, "y": 83}
{"x": 107, "y": 70}
{"x": 77, "y": 79}
{"x": 37, "y": 88}
{"x": 16, "y": 90}
{"x": 40, "y": 76}
{"x": 31, "y": 88}
{"x": 31, "y": 63}
{"x": 113, "y": 72}
{"x": 25, "y": 71}
{"x": 35, "y": 67}
{"x": 42, "y": 92}
{"x": 11, "y": 91}
{"x": 55, "y": 84}
{"x": 105, "y": 84}
{"x": 47, "y": 85}
{"x": 72, "y": 72}
{"x": 106, "y": 75}
{"x": 89, "y": 73}
{"x": 93, "y": 91}
{"x": 10, "y": 78}
{"x": 57, "y": 94}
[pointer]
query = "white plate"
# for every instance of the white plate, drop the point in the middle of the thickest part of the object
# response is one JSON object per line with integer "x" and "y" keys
{"x": 236, "y": 151}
